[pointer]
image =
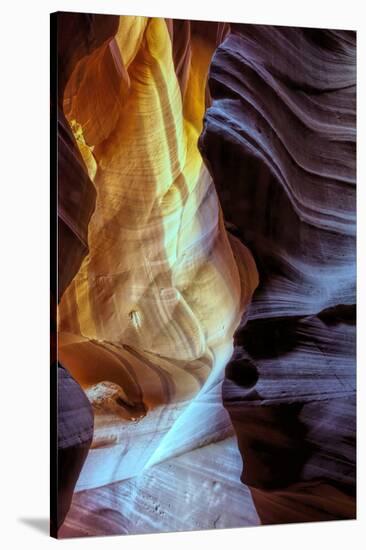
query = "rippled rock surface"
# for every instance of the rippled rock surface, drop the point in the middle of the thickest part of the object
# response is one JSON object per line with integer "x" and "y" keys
{"x": 279, "y": 140}
{"x": 208, "y": 208}
{"x": 138, "y": 328}
{"x": 200, "y": 489}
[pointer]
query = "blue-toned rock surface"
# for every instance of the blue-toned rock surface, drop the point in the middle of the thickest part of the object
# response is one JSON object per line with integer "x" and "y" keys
{"x": 279, "y": 140}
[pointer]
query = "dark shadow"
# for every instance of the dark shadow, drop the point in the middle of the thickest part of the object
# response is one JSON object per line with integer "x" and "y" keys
{"x": 42, "y": 525}
{"x": 269, "y": 338}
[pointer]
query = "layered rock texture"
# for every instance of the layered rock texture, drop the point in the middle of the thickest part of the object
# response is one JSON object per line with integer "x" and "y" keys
{"x": 279, "y": 139}
{"x": 138, "y": 325}
{"x": 74, "y": 36}
{"x": 213, "y": 201}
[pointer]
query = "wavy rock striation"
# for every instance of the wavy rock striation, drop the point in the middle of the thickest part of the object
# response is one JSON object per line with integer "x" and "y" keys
{"x": 139, "y": 314}
{"x": 77, "y": 36}
{"x": 157, "y": 210}
{"x": 279, "y": 140}
{"x": 200, "y": 489}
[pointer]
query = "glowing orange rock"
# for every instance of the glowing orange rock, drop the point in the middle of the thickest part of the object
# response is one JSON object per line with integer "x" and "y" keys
{"x": 155, "y": 304}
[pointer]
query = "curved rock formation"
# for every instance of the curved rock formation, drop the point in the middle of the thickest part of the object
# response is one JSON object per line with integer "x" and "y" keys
{"x": 160, "y": 207}
{"x": 200, "y": 489}
{"x": 139, "y": 313}
{"x": 279, "y": 140}
{"x": 75, "y": 35}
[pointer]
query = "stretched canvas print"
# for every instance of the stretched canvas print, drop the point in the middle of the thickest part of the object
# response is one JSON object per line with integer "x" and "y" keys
{"x": 203, "y": 283}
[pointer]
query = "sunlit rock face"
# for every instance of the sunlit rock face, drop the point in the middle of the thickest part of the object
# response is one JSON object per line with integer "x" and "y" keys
{"x": 279, "y": 140}
{"x": 200, "y": 489}
{"x": 78, "y": 35}
{"x": 198, "y": 153}
{"x": 75, "y": 35}
{"x": 146, "y": 326}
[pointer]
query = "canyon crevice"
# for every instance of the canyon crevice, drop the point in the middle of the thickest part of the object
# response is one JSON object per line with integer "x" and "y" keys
{"x": 207, "y": 283}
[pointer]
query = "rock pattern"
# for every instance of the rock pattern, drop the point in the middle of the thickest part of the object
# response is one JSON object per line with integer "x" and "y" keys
{"x": 279, "y": 140}
{"x": 200, "y": 489}
{"x": 75, "y": 35}
{"x": 146, "y": 325}
{"x": 139, "y": 313}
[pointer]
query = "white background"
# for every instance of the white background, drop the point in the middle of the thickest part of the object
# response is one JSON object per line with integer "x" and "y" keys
{"x": 24, "y": 269}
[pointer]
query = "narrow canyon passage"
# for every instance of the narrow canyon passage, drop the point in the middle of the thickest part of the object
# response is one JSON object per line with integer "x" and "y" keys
{"x": 216, "y": 230}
